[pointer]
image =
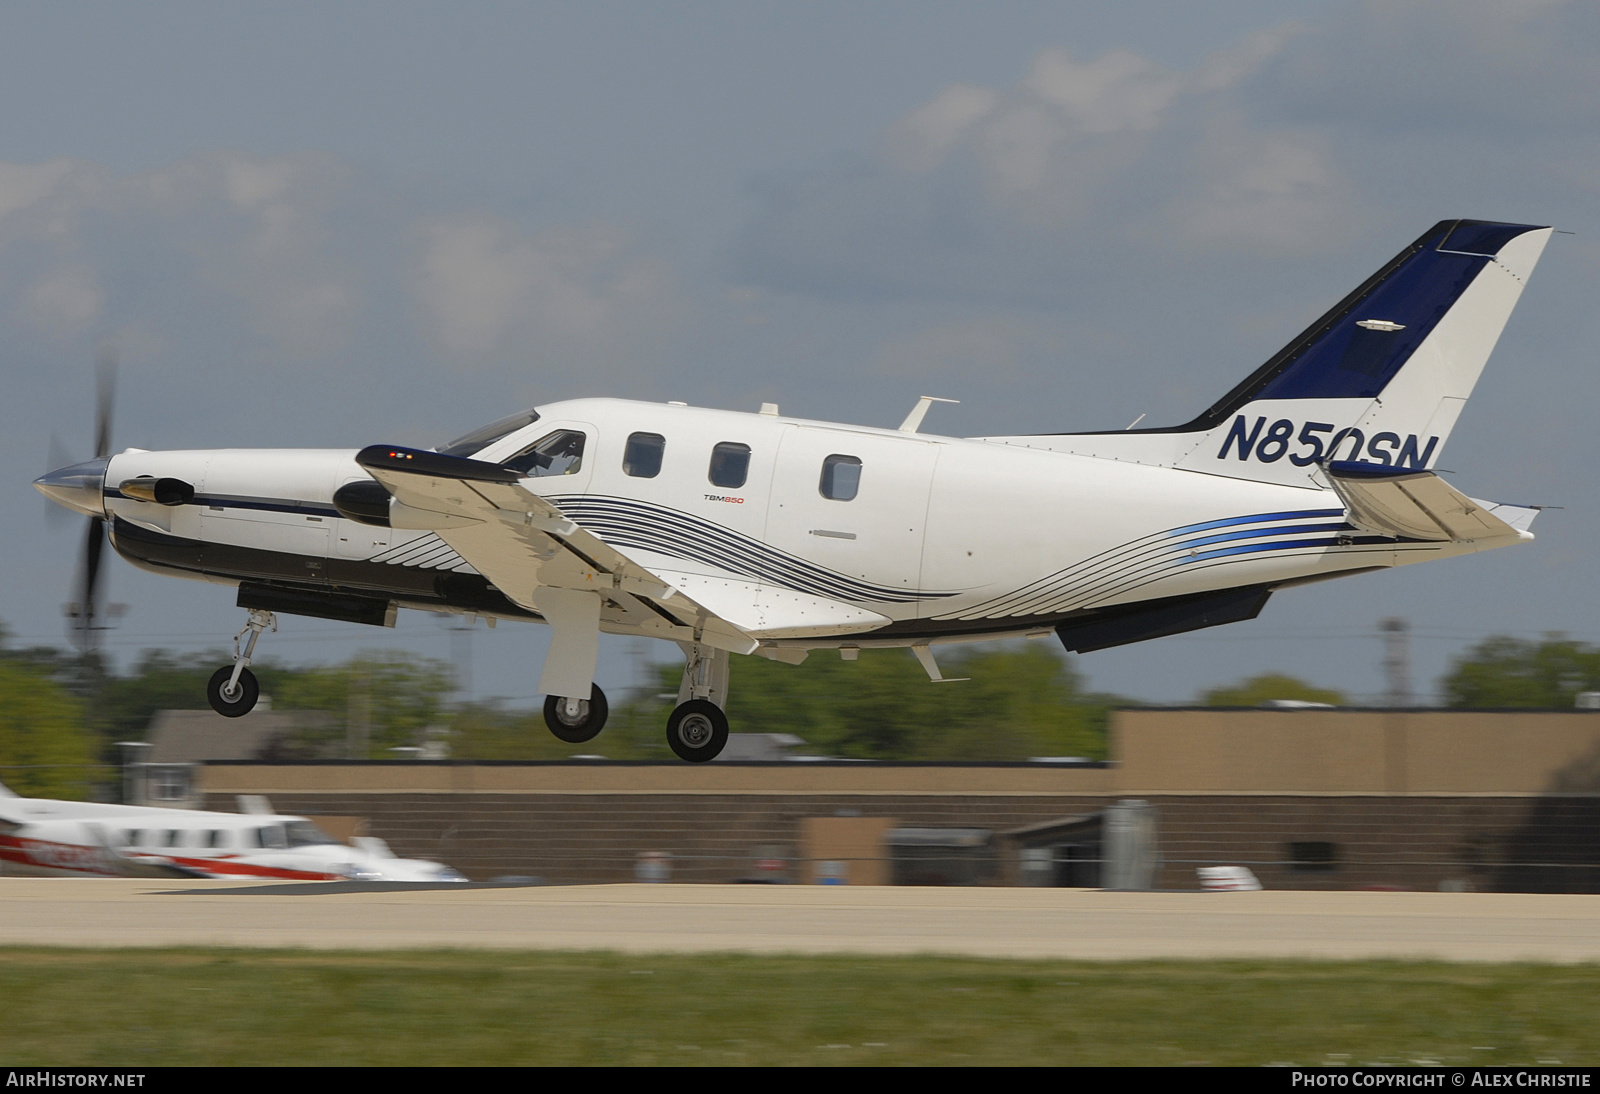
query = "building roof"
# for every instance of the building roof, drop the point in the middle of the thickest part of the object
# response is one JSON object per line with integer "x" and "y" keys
{"x": 194, "y": 736}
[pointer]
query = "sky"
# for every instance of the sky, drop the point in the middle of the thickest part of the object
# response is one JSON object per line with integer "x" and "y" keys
{"x": 315, "y": 225}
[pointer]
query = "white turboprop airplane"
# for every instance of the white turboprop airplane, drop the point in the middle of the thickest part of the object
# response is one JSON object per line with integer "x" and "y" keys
{"x": 42, "y": 837}
{"x": 759, "y": 534}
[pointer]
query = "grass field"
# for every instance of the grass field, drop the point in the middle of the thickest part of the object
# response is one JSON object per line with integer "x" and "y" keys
{"x": 150, "y": 1007}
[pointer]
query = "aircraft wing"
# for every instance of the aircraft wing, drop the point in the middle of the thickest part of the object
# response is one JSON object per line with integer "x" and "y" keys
{"x": 522, "y": 543}
{"x": 1420, "y": 505}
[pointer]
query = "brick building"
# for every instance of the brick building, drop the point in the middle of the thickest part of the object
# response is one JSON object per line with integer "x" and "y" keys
{"x": 1307, "y": 799}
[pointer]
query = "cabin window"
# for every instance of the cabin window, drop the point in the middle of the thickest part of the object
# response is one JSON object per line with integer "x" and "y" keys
{"x": 272, "y": 837}
{"x": 642, "y": 458}
{"x": 841, "y": 477}
{"x": 174, "y": 838}
{"x": 730, "y": 464}
{"x": 219, "y": 838}
{"x": 558, "y": 453}
{"x": 130, "y": 838}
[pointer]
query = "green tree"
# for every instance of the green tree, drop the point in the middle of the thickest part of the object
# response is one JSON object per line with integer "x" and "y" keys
{"x": 1018, "y": 702}
{"x": 395, "y": 695}
{"x": 1272, "y": 685}
{"x": 45, "y": 750}
{"x": 486, "y": 731}
{"x": 163, "y": 680}
{"x": 1512, "y": 672}
{"x": 47, "y": 660}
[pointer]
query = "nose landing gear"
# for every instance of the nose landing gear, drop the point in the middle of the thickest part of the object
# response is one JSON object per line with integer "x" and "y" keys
{"x": 233, "y": 691}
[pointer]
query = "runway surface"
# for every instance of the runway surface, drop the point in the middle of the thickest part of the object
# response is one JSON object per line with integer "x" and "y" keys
{"x": 1066, "y": 923}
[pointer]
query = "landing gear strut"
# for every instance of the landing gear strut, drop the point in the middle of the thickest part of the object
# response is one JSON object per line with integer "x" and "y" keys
{"x": 232, "y": 692}
{"x": 697, "y": 729}
{"x": 576, "y": 720}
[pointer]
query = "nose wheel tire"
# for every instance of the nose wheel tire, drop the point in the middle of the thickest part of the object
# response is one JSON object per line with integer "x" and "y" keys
{"x": 241, "y": 701}
{"x": 697, "y": 731}
{"x": 590, "y": 719}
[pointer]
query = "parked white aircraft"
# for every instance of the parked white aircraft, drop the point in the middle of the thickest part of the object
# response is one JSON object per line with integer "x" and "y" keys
{"x": 760, "y": 534}
{"x": 45, "y": 838}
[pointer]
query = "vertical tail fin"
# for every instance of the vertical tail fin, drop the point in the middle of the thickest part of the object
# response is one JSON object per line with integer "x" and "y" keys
{"x": 1379, "y": 379}
{"x": 1382, "y": 377}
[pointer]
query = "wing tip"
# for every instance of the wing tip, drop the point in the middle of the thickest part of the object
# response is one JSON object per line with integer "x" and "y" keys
{"x": 417, "y": 461}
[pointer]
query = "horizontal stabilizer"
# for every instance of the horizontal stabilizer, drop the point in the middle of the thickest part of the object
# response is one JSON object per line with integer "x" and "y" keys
{"x": 1415, "y": 505}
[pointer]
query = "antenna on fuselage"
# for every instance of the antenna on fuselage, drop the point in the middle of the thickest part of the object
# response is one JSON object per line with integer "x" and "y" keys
{"x": 913, "y": 420}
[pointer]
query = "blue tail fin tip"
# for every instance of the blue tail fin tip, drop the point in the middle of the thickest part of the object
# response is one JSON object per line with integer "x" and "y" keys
{"x": 1354, "y": 350}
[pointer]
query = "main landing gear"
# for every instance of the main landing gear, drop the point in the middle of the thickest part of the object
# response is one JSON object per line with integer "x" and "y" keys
{"x": 697, "y": 729}
{"x": 233, "y": 691}
{"x": 576, "y": 720}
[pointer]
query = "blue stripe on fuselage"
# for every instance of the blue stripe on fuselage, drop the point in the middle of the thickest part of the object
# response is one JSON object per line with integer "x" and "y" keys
{"x": 1259, "y": 518}
{"x": 1258, "y": 533}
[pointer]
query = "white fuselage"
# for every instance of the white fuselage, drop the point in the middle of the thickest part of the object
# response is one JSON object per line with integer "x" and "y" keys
{"x": 45, "y": 838}
{"x": 944, "y": 539}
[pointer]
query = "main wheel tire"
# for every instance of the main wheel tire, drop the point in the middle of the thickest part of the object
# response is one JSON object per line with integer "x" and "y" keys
{"x": 697, "y": 731}
{"x": 590, "y": 721}
{"x": 243, "y": 700}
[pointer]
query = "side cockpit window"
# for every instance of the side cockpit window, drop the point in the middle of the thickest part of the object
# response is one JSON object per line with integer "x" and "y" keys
{"x": 730, "y": 464}
{"x": 642, "y": 458}
{"x": 558, "y": 453}
{"x": 841, "y": 477}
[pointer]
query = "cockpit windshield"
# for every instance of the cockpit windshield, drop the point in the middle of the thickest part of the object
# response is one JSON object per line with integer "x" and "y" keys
{"x": 479, "y": 439}
{"x": 306, "y": 834}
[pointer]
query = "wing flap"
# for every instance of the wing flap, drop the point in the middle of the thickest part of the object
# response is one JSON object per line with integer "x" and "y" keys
{"x": 1415, "y": 505}
{"x": 774, "y": 612}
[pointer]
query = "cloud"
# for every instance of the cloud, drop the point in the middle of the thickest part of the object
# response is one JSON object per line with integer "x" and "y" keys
{"x": 1012, "y": 195}
{"x": 85, "y": 249}
{"x": 66, "y": 298}
{"x": 232, "y": 261}
{"x": 492, "y": 291}
{"x": 920, "y": 140}
{"x": 1473, "y": 68}
{"x": 1306, "y": 139}
{"x": 26, "y": 184}
{"x": 994, "y": 347}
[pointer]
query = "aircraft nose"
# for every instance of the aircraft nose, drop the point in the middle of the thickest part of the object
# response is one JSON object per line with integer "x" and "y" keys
{"x": 81, "y": 486}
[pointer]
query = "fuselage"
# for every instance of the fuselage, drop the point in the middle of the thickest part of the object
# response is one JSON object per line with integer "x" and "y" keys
{"x": 47, "y": 838}
{"x": 925, "y": 537}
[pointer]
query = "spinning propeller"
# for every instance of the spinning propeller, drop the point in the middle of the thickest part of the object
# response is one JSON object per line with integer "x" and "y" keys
{"x": 81, "y": 487}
